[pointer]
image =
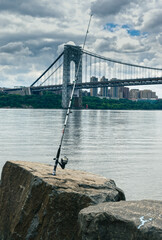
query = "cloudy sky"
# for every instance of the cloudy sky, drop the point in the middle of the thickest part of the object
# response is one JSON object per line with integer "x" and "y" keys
{"x": 33, "y": 32}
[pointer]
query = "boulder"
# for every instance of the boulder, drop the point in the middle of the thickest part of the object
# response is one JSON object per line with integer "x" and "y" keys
{"x": 134, "y": 220}
{"x": 35, "y": 205}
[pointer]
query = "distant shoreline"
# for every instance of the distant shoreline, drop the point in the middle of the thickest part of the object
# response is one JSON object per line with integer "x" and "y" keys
{"x": 77, "y": 109}
{"x": 52, "y": 101}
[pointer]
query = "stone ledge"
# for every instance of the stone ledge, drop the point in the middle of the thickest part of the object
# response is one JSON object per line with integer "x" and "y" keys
{"x": 36, "y": 205}
{"x": 132, "y": 220}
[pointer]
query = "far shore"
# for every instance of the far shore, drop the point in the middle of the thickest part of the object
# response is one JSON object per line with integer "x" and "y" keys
{"x": 53, "y": 101}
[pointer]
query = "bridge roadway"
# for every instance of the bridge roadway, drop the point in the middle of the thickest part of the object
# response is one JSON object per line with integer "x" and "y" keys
{"x": 111, "y": 83}
{"x": 87, "y": 85}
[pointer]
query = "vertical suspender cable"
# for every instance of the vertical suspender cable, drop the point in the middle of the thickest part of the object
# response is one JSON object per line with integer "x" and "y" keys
{"x": 69, "y": 105}
{"x": 85, "y": 67}
{"x": 90, "y": 65}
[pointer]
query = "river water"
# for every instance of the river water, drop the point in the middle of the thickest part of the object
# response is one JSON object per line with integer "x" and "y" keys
{"x": 125, "y": 146}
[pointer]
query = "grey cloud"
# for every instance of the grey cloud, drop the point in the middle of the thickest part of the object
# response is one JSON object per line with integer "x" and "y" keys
{"x": 21, "y": 36}
{"x": 38, "y": 49}
{"x": 160, "y": 39}
{"x": 34, "y": 8}
{"x": 19, "y": 66}
{"x": 103, "y": 8}
{"x": 106, "y": 44}
{"x": 13, "y": 48}
{"x": 6, "y": 60}
{"x": 146, "y": 55}
{"x": 110, "y": 44}
{"x": 153, "y": 22}
{"x": 131, "y": 48}
{"x": 36, "y": 41}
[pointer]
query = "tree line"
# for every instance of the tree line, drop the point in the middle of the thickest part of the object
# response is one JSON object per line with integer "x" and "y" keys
{"x": 46, "y": 100}
{"x": 51, "y": 100}
{"x": 125, "y": 104}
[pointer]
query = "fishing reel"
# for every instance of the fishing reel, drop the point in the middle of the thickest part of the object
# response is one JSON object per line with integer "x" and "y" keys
{"x": 63, "y": 162}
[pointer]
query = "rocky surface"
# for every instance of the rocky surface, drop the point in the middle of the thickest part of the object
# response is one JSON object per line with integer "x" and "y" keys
{"x": 136, "y": 220}
{"x": 34, "y": 205}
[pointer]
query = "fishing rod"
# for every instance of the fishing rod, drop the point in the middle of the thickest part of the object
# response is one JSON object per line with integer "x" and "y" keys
{"x": 64, "y": 160}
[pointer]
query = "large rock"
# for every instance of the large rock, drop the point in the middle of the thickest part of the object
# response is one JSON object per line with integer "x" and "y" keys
{"x": 136, "y": 220}
{"x": 36, "y": 205}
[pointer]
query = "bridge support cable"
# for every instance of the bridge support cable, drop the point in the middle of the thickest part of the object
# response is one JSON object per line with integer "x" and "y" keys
{"x": 99, "y": 68}
{"x": 90, "y": 64}
{"x": 55, "y": 71}
{"x": 116, "y": 61}
{"x": 119, "y": 70}
{"x": 122, "y": 70}
{"x": 47, "y": 70}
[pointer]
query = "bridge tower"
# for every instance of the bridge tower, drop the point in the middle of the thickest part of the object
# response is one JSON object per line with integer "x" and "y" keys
{"x": 71, "y": 53}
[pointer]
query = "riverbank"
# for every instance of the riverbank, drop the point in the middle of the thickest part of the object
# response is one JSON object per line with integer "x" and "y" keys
{"x": 53, "y": 101}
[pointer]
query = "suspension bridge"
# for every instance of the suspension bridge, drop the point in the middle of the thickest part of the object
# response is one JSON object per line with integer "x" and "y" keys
{"x": 95, "y": 71}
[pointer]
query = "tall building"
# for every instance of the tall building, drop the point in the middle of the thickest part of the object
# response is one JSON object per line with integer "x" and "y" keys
{"x": 125, "y": 92}
{"x": 104, "y": 90}
{"x": 147, "y": 94}
{"x": 134, "y": 94}
{"x": 114, "y": 91}
{"x": 93, "y": 91}
{"x": 120, "y": 92}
